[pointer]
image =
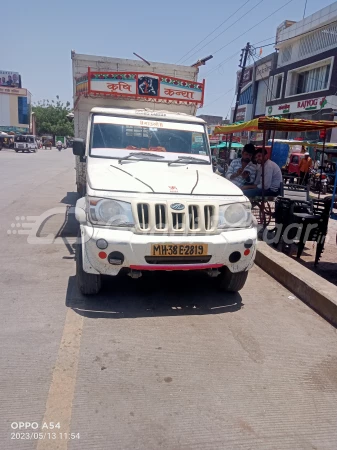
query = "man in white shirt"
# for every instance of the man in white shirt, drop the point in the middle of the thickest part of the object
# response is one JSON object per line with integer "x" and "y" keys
{"x": 272, "y": 178}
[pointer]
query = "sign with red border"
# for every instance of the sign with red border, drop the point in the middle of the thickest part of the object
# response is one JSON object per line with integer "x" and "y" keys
{"x": 141, "y": 85}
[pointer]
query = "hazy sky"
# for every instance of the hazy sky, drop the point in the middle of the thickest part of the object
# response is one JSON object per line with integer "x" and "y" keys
{"x": 37, "y": 37}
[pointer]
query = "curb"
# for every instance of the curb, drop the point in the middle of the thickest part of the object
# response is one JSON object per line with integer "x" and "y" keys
{"x": 318, "y": 293}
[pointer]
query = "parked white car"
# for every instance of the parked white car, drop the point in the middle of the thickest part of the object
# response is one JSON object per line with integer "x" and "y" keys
{"x": 25, "y": 143}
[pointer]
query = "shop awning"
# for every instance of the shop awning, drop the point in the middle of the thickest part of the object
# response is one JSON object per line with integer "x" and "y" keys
{"x": 274, "y": 123}
{"x": 332, "y": 145}
{"x": 224, "y": 145}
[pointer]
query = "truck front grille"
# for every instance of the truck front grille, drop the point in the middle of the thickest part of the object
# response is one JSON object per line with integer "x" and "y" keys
{"x": 161, "y": 221}
{"x": 193, "y": 213}
{"x": 209, "y": 217}
{"x": 178, "y": 221}
{"x": 158, "y": 217}
{"x": 143, "y": 216}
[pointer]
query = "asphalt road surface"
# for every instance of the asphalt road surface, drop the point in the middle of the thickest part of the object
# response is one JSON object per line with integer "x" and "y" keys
{"x": 163, "y": 362}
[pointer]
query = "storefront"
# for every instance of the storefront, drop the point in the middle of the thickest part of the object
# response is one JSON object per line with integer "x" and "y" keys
{"x": 316, "y": 108}
{"x": 15, "y": 109}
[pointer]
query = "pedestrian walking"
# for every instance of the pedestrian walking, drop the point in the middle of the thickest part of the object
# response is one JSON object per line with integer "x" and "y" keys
{"x": 305, "y": 165}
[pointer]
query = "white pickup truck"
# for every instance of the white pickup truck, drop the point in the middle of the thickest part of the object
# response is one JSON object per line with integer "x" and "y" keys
{"x": 152, "y": 201}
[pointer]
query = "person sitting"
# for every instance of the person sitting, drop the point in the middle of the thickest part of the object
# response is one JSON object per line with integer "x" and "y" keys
{"x": 242, "y": 170}
{"x": 272, "y": 177}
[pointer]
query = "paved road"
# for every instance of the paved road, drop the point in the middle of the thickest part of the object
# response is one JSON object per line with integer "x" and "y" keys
{"x": 164, "y": 362}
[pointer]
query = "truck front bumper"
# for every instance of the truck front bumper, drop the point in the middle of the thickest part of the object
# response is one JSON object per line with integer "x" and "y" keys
{"x": 234, "y": 249}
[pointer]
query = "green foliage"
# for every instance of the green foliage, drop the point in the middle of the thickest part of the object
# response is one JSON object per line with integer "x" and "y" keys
{"x": 51, "y": 118}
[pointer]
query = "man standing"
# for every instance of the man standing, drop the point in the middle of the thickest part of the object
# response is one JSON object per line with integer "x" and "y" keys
{"x": 242, "y": 170}
{"x": 305, "y": 165}
{"x": 272, "y": 177}
{"x": 15, "y": 80}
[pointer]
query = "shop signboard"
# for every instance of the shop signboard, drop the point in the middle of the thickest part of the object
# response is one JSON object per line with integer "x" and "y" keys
{"x": 13, "y": 91}
{"x": 10, "y": 79}
{"x": 247, "y": 77}
{"x": 141, "y": 85}
{"x": 14, "y": 129}
{"x": 241, "y": 114}
{"x": 262, "y": 71}
{"x": 256, "y": 137}
{"x": 313, "y": 104}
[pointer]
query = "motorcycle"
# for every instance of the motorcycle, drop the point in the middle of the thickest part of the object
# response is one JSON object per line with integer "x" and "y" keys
{"x": 59, "y": 147}
{"x": 319, "y": 181}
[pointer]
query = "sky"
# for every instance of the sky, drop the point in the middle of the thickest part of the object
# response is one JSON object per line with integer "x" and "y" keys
{"x": 38, "y": 36}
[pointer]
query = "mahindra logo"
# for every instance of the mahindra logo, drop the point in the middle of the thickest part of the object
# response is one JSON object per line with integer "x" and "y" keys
{"x": 177, "y": 206}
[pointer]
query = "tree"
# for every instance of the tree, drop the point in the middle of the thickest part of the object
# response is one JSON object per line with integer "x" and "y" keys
{"x": 51, "y": 118}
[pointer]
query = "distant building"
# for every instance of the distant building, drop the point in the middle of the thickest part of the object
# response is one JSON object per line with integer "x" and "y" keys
{"x": 253, "y": 98}
{"x": 211, "y": 120}
{"x": 304, "y": 83}
{"x": 15, "y": 104}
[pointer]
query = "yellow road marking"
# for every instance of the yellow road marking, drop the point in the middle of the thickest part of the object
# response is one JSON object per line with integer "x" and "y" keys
{"x": 62, "y": 388}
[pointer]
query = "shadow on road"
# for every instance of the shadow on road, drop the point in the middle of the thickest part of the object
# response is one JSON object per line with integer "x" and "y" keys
{"x": 155, "y": 294}
{"x": 62, "y": 225}
{"x": 71, "y": 198}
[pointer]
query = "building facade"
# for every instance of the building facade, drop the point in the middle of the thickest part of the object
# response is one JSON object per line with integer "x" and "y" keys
{"x": 15, "y": 106}
{"x": 304, "y": 83}
{"x": 254, "y": 94}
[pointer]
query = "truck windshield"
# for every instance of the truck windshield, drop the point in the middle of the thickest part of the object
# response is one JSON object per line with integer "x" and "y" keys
{"x": 116, "y": 136}
{"x": 29, "y": 139}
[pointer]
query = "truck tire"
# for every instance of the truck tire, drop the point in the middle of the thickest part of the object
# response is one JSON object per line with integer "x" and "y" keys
{"x": 88, "y": 283}
{"x": 231, "y": 282}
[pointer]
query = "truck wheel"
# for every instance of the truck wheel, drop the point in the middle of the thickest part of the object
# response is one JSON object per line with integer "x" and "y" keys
{"x": 88, "y": 283}
{"x": 231, "y": 282}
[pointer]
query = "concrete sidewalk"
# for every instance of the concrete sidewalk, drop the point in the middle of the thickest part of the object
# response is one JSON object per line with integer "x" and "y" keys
{"x": 314, "y": 290}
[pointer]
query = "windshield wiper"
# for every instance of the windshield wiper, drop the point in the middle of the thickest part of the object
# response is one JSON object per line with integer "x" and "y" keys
{"x": 141, "y": 155}
{"x": 186, "y": 159}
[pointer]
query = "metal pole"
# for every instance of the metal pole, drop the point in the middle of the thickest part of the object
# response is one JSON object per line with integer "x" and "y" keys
{"x": 272, "y": 143}
{"x": 323, "y": 153}
{"x": 263, "y": 157}
{"x": 333, "y": 196}
{"x": 243, "y": 67}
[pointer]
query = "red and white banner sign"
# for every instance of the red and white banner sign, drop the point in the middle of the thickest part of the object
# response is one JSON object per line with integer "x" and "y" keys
{"x": 141, "y": 85}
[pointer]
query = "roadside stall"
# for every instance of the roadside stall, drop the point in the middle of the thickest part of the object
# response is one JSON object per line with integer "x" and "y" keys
{"x": 273, "y": 124}
{"x": 294, "y": 205}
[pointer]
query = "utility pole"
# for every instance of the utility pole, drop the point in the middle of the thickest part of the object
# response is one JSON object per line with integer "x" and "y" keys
{"x": 244, "y": 55}
{"x": 243, "y": 62}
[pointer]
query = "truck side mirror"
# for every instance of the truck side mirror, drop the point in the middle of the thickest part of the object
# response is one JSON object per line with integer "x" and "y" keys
{"x": 79, "y": 147}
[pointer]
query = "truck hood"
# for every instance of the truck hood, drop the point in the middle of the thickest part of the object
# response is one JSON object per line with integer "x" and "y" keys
{"x": 159, "y": 178}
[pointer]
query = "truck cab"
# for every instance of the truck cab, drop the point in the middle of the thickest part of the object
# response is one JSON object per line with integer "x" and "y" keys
{"x": 25, "y": 143}
{"x": 152, "y": 202}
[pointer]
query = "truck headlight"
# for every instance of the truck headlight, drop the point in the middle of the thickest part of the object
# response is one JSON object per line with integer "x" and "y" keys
{"x": 236, "y": 215}
{"x": 111, "y": 212}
